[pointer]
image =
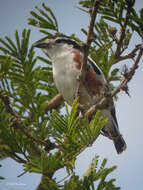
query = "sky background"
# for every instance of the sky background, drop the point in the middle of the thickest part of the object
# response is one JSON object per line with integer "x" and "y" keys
{"x": 13, "y": 15}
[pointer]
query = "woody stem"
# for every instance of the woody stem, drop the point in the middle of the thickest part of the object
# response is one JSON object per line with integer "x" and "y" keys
{"x": 87, "y": 45}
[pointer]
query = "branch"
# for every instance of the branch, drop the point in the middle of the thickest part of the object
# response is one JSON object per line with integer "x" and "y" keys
{"x": 103, "y": 103}
{"x": 89, "y": 38}
{"x": 122, "y": 34}
{"x": 18, "y": 158}
{"x": 18, "y": 124}
{"x": 22, "y": 174}
{"x": 86, "y": 46}
{"x": 130, "y": 55}
{"x": 129, "y": 75}
{"x": 11, "y": 154}
{"x": 54, "y": 103}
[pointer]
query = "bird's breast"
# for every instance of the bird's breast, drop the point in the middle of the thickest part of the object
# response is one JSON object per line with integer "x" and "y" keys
{"x": 65, "y": 75}
{"x": 66, "y": 71}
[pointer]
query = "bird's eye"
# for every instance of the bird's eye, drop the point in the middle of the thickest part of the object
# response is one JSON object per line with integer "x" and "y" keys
{"x": 58, "y": 41}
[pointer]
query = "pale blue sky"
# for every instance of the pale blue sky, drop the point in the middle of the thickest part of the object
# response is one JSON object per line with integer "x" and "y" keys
{"x": 13, "y": 15}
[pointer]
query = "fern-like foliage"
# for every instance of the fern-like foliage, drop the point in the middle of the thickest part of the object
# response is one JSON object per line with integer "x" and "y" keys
{"x": 25, "y": 88}
{"x": 91, "y": 176}
{"x": 113, "y": 32}
{"x": 72, "y": 134}
{"x": 44, "y": 19}
{"x": 28, "y": 134}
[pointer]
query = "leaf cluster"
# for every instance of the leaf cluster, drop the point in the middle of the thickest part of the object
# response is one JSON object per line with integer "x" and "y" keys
{"x": 112, "y": 34}
{"x": 72, "y": 134}
{"x": 44, "y": 19}
{"x": 91, "y": 176}
{"x": 25, "y": 89}
{"x": 28, "y": 134}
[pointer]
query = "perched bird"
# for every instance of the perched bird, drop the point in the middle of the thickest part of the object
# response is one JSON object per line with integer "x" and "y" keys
{"x": 67, "y": 55}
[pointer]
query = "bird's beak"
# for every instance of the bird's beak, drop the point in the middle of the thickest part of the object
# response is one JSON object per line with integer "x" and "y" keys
{"x": 41, "y": 45}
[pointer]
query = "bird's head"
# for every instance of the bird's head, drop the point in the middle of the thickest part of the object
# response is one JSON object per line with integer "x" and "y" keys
{"x": 58, "y": 44}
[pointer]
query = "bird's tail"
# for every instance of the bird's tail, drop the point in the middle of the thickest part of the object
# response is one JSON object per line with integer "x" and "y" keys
{"x": 113, "y": 133}
{"x": 111, "y": 130}
{"x": 120, "y": 144}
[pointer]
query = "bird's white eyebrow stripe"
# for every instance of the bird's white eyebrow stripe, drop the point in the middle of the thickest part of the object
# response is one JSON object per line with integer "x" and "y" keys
{"x": 69, "y": 41}
{"x": 96, "y": 69}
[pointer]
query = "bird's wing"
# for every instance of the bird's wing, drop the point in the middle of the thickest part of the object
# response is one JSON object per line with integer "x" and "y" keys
{"x": 95, "y": 67}
{"x": 113, "y": 113}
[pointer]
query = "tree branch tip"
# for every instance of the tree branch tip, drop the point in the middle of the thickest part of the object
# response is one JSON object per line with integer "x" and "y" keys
{"x": 84, "y": 10}
{"x": 20, "y": 175}
{"x": 125, "y": 88}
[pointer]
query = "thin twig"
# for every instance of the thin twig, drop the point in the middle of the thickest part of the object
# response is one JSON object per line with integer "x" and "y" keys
{"x": 86, "y": 46}
{"x": 84, "y": 10}
{"x": 89, "y": 37}
{"x": 101, "y": 105}
{"x": 63, "y": 179}
{"x": 18, "y": 123}
{"x": 130, "y": 74}
{"x": 122, "y": 34}
{"x": 54, "y": 103}
{"x": 130, "y": 55}
{"x": 22, "y": 174}
{"x": 18, "y": 158}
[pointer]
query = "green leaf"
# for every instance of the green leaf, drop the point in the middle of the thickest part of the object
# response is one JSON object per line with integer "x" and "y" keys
{"x": 72, "y": 117}
{"x": 2, "y": 178}
{"x": 44, "y": 60}
{"x": 52, "y": 14}
{"x": 45, "y": 18}
{"x": 17, "y": 40}
{"x": 95, "y": 173}
{"x": 110, "y": 19}
{"x": 7, "y": 46}
{"x": 45, "y": 164}
{"x": 11, "y": 43}
{"x": 5, "y": 51}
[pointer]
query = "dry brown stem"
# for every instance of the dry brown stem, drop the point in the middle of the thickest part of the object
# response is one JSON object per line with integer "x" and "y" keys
{"x": 86, "y": 46}
{"x": 54, "y": 103}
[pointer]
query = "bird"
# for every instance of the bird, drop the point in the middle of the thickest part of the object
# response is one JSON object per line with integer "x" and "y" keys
{"x": 66, "y": 55}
